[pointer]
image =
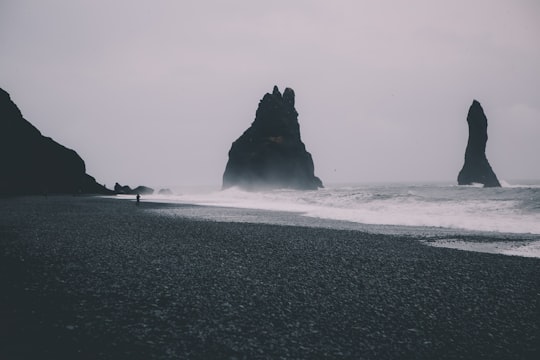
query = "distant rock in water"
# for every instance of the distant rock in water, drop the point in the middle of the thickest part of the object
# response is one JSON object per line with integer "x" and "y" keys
{"x": 476, "y": 168}
{"x": 143, "y": 190}
{"x": 122, "y": 189}
{"x": 271, "y": 154}
{"x": 126, "y": 190}
{"x": 31, "y": 163}
{"x": 165, "y": 191}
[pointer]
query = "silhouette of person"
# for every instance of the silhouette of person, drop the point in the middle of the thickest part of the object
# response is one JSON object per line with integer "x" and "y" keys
{"x": 138, "y": 199}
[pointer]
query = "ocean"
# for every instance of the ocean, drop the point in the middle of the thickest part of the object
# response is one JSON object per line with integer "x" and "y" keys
{"x": 501, "y": 220}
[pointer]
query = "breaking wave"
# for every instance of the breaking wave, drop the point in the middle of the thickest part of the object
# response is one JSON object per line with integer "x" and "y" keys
{"x": 510, "y": 209}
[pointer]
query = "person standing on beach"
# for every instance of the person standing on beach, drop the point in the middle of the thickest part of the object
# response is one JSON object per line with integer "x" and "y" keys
{"x": 138, "y": 199}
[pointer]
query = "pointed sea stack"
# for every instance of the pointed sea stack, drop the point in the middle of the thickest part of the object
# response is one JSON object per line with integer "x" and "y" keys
{"x": 270, "y": 154}
{"x": 476, "y": 168}
{"x": 31, "y": 163}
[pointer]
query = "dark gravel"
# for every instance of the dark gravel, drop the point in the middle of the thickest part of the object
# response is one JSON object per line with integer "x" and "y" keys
{"x": 93, "y": 278}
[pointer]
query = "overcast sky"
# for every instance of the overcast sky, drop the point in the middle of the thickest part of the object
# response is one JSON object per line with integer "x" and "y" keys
{"x": 154, "y": 92}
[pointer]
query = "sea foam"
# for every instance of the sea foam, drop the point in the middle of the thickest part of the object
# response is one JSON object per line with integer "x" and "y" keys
{"x": 504, "y": 210}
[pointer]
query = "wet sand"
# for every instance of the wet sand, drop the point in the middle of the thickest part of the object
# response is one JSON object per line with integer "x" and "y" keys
{"x": 95, "y": 278}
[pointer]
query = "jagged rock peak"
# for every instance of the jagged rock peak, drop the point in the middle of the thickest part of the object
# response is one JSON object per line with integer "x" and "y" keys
{"x": 476, "y": 168}
{"x": 288, "y": 96}
{"x": 270, "y": 153}
{"x": 276, "y": 92}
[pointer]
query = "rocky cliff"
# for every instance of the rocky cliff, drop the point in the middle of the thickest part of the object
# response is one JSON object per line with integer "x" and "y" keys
{"x": 31, "y": 163}
{"x": 476, "y": 168}
{"x": 270, "y": 153}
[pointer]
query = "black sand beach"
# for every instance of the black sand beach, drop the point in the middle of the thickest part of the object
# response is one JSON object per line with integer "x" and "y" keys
{"x": 95, "y": 278}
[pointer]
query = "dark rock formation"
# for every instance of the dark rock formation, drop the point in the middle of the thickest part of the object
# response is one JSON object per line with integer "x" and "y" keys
{"x": 165, "y": 192}
{"x": 126, "y": 190}
{"x": 119, "y": 189}
{"x": 476, "y": 168}
{"x": 33, "y": 164}
{"x": 270, "y": 154}
{"x": 143, "y": 190}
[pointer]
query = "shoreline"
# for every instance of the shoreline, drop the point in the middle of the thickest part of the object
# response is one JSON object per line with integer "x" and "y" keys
{"x": 510, "y": 244}
{"x": 301, "y": 219}
{"x": 88, "y": 277}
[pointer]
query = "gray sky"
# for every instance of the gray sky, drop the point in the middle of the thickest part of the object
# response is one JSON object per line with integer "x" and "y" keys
{"x": 155, "y": 92}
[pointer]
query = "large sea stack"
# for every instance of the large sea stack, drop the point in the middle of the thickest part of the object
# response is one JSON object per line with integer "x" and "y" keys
{"x": 270, "y": 154}
{"x": 31, "y": 163}
{"x": 476, "y": 168}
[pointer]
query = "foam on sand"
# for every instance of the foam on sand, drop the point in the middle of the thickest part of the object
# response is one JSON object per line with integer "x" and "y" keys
{"x": 516, "y": 248}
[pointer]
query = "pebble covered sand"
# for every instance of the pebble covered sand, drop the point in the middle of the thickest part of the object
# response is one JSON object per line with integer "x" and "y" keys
{"x": 98, "y": 278}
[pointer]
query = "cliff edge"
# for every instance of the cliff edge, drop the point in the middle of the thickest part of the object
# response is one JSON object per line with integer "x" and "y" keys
{"x": 34, "y": 164}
